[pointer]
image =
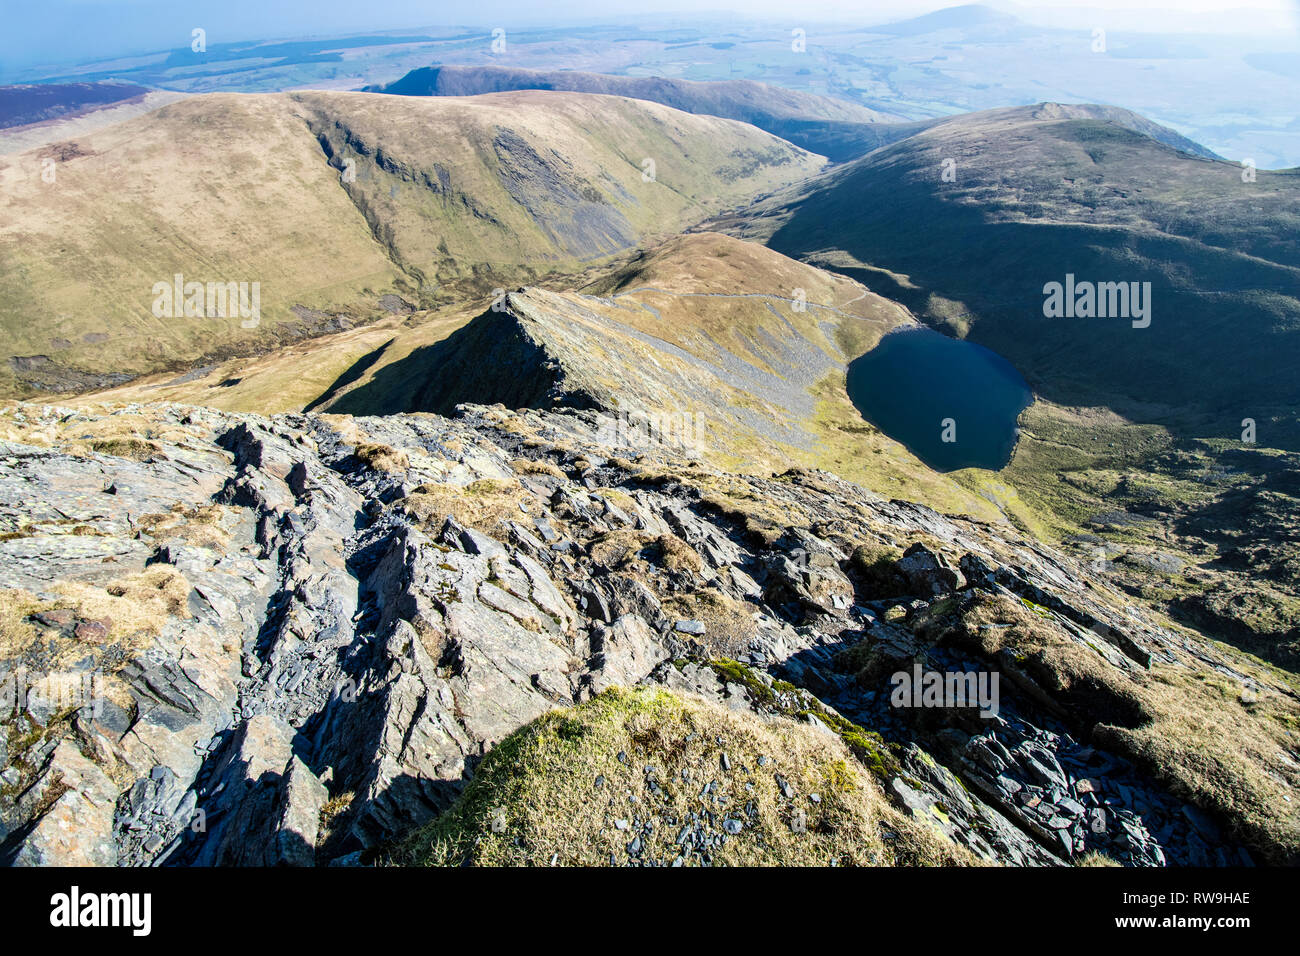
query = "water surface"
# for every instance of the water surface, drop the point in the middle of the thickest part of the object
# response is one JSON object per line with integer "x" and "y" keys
{"x": 916, "y": 379}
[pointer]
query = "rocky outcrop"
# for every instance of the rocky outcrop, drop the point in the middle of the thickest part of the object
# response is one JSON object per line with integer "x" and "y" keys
{"x": 289, "y": 641}
{"x": 465, "y": 368}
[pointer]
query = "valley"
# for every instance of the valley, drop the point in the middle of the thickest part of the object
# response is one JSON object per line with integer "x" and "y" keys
{"x": 336, "y": 220}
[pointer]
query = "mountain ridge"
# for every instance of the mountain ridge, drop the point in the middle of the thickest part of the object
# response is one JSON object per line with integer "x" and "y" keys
{"x": 352, "y": 222}
{"x": 1053, "y": 192}
{"x": 837, "y": 129}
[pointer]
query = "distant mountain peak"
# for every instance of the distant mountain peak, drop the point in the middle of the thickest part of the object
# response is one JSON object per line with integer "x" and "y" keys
{"x": 964, "y": 16}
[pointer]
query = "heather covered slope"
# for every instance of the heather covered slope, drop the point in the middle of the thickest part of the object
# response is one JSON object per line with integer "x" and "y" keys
{"x": 37, "y": 103}
{"x": 343, "y": 207}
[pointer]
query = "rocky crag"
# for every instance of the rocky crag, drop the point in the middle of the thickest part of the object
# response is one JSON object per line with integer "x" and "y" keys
{"x": 301, "y": 635}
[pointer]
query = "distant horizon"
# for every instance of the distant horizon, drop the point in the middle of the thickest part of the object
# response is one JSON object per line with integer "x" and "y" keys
{"x": 1232, "y": 92}
{"x": 74, "y": 33}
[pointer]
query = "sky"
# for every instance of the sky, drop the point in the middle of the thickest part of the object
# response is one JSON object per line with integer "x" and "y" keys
{"x": 64, "y": 32}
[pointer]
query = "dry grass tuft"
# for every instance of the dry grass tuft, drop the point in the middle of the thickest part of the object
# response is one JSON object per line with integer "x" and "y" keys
{"x": 135, "y": 449}
{"x": 383, "y": 458}
{"x": 481, "y": 504}
{"x": 331, "y": 812}
{"x": 528, "y": 466}
{"x": 1093, "y": 858}
{"x": 728, "y": 624}
{"x": 552, "y": 791}
{"x": 619, "y": 549}
{"x": 761, "y": 521}
{"x": 199, "y": 527}
{"x": 676, "y": 555}
{"x": 131, "y": 610}
{"x": 17, "y": 633}
{"x": 138, "y": 605}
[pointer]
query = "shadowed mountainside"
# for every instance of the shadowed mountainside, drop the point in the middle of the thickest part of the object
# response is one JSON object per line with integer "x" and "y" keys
{"x": 36, "y": 103}
{"x": 1138, "y": 449}
{"x": 1039, "y": 193}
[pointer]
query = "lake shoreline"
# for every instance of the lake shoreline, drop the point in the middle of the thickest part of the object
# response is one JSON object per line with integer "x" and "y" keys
{"x": 952, "y": 403}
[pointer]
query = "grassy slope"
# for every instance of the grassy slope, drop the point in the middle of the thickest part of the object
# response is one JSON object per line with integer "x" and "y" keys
{"x": 222, "y": 187}
{"x": 515, "y": 185}
{"x": 236, "y": 187}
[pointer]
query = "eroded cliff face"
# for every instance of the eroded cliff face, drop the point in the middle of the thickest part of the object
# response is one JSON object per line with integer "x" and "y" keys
{"x": 230, "y": 639}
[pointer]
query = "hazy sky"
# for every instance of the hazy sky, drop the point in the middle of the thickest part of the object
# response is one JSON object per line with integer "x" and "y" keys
{"x": 68, "y": 31}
